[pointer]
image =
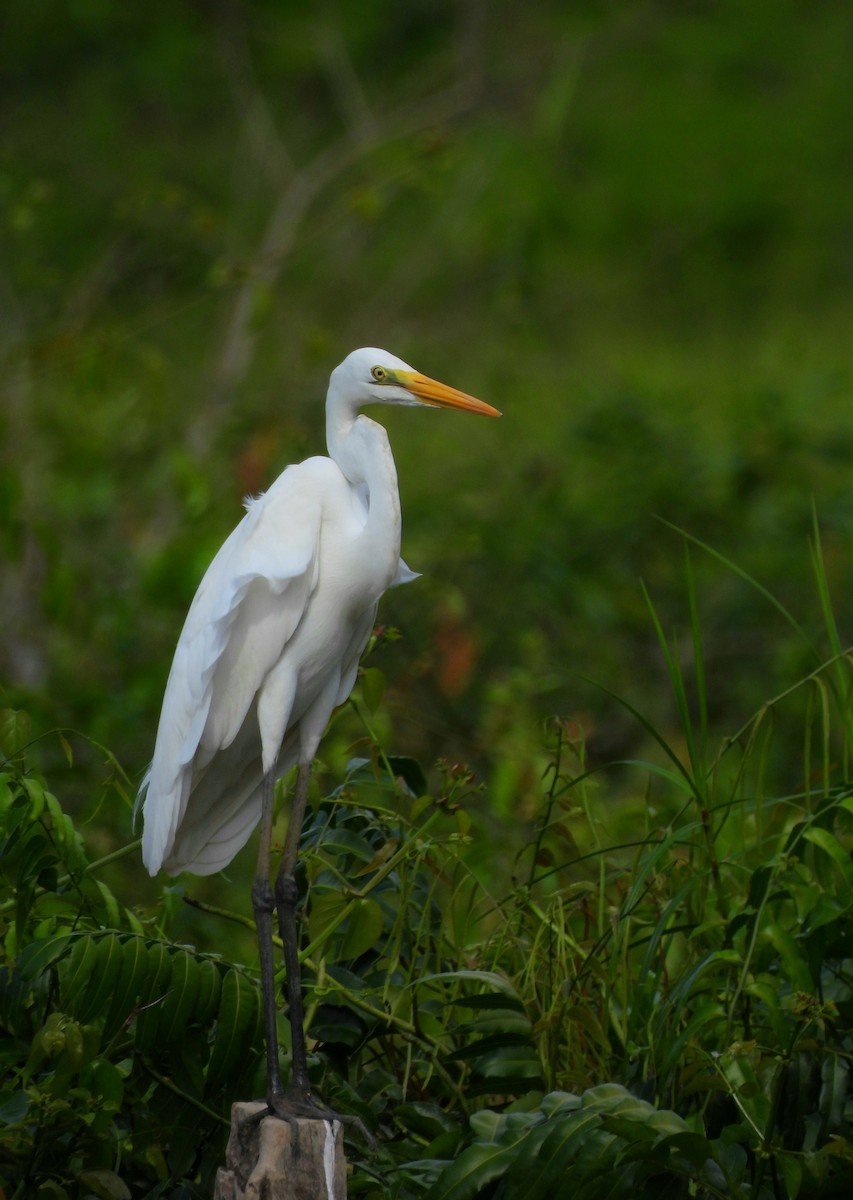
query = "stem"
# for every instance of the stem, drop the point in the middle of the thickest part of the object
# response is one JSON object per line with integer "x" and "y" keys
{"x": 202, "y": 1108}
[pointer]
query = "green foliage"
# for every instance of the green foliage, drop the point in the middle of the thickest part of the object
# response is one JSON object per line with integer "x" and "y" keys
{"x": 120, "y": 1050}
{"x": 663, "y": 1014}
{"x": 604, "y": 1142}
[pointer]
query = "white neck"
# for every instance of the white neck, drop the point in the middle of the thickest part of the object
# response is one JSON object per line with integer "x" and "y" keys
{"x": 361, "y": 449}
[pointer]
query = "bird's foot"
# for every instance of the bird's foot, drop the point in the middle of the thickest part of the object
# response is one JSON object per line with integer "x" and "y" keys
{"x": 298, "y": 1104}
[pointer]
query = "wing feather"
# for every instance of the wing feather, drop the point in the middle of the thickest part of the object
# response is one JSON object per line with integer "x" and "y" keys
{"x": 246, "y": 609}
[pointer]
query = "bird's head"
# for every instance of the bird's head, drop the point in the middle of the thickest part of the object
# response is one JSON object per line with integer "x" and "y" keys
{"x": 371, "y": 376}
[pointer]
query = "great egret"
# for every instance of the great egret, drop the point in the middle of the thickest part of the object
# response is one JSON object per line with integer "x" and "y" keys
{"x": 269, "y": 648}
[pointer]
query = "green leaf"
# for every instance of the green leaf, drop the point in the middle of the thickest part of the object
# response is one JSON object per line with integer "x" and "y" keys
{"x": 831, "y": 846}
{"x": 135, "y": 965}
{"x": 76, "y": 972}
{"x": 209, "y": 991}
{"x": 103, "y": 979}
{"x": 104, "y": 1081}
{"x": 380, "y": 857}
{"x": 236, "y": 1028}
{"x": 328, "y": 907}
{"x": 427, "y": 1120}
{"x": 628, "y": 1128}
{"x": 38, "y": 955}
{"x": 686, "y": 1144}
{"x": 344, "y": 841}
{"x": 111, "y": 916}
{"x": 178, "y": 1006}
{"x": 550, "y": 1151}
{"x": 339, "y": 1026}
{"x": 36, "y": 853}
{"x": 13, "y": 1106}
{"x": 49, "y": 1189}
{"x": 106, "y": 1185}
{"x": 34, "y": 789}
{"x": 473, "y": 1048}
{"x": 825, "y": 910}
{"x": 363, "y": 929}
{"x": 792, "y": 1173}
{"x": 15, "y": 731}
{"x": 509, "y": 1065}
{"x": 66, "y": 747}
{"x": 835, "y": 1073}
{"x": 490, "y": 978}
{"x": 153, "y": 997}
{"x": 795, "y": 965}
{"x": 475, "y": 1167}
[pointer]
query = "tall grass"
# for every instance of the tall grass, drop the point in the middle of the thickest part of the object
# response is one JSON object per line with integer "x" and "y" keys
{"x": 665, "y": 1012}
{"x": 706, "y": 966}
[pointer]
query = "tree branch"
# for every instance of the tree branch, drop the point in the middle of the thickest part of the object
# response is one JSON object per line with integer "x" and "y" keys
{"x": 364, "y": 136}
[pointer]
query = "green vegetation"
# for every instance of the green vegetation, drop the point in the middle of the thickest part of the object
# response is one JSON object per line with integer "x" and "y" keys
{"x": 665, "y": 1016}
{"x": 598, "y": 916}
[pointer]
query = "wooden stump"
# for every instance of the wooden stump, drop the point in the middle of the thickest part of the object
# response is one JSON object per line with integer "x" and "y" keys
{"x": 269, "y": 1159}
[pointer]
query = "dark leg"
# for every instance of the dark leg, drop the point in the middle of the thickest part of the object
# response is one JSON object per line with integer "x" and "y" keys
{"x": 263, "y": 904}
{"x": 297, "y": 1101}
{"x": 285, "y": 902}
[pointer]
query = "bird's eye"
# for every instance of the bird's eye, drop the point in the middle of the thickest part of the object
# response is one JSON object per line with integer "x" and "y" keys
{"x": 379, "y": 374}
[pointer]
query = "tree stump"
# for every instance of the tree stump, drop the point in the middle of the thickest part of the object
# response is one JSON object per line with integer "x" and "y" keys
{"x": 269, "y": 1159}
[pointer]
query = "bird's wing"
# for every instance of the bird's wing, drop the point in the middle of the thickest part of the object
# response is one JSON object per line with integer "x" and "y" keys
{"x": 404, "y": 574}
{"x": 246, "y": 609}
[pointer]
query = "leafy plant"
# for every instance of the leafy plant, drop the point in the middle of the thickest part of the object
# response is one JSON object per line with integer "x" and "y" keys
{"x": 663, "y": 1013}
{"x": 121, "y": 1050}
{"x": 603, "y": 1142}
{"x": 703, "y": 965}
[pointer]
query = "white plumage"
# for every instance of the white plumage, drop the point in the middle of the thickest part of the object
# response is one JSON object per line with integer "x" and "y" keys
{"x": 273, "y": 637}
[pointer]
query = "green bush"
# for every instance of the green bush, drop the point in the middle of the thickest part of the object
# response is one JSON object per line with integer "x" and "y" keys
{"x": 121, "y": 1050}
{"x": 655, "y": 1000}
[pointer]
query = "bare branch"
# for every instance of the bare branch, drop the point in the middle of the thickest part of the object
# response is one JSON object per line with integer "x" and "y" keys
{"x": 91, "y": 288}
{"x": 264, "y": 140}
{"x": 346, "y": 85}
{"x": 363, "y": 138}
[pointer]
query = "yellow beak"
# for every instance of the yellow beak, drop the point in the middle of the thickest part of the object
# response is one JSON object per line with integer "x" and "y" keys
{"x": 439, "y": 395}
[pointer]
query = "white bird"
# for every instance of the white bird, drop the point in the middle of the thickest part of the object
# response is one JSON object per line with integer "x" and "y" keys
{"x": 269, "y": 649}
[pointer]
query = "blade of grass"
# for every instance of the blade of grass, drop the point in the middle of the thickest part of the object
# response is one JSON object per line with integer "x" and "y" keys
{"x": 676, "y": 678}
{"x": 751, "y": 580}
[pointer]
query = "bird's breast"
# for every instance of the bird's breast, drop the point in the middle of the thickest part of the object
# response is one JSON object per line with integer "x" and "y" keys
{"x": 357, "y": 561}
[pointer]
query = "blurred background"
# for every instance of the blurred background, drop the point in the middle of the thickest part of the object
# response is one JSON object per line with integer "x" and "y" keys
{"x": 626, "y": 225}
